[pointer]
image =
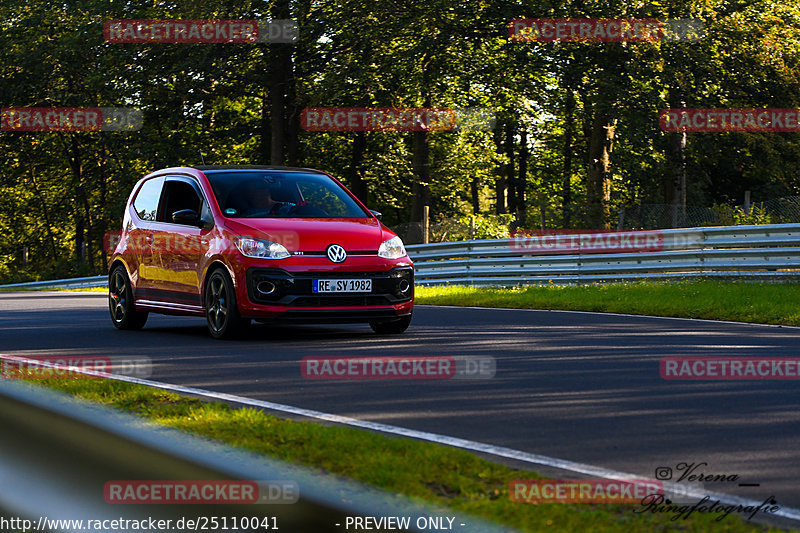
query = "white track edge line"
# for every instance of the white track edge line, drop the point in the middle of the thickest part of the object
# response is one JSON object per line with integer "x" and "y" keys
{"x": 456, "y": 442}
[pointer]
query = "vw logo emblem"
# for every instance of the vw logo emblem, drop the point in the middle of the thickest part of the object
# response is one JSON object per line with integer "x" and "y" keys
{"x": 336, "y": 253}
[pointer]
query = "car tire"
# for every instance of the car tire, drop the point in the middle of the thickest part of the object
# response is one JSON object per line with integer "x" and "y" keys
{"x": 120, "y": 301}
{"x": 222, "y": 311}
{"x": 391, "y": 327}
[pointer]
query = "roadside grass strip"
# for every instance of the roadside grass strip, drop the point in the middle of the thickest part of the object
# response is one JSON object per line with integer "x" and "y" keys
{"x": 736, "y": 301}
{"x": 432, "y": 473}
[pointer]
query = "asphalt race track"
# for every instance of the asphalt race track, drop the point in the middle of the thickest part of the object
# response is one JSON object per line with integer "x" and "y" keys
{"x": 577, "y": 386}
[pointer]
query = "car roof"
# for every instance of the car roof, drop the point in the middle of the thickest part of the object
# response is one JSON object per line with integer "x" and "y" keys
{"x": 211, "y": 168}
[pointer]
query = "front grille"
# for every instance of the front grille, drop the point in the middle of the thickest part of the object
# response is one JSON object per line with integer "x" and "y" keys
{"x": 295, "y": 289}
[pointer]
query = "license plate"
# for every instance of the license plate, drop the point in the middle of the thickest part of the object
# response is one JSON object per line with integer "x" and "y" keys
{"x": 342, "y": 285}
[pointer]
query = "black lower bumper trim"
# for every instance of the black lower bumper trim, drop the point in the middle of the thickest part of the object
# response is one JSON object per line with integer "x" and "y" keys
{"x": 334, "y": 316}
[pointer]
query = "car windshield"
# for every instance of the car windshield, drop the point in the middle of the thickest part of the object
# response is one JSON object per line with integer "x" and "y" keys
{"x": 269, "y": 194}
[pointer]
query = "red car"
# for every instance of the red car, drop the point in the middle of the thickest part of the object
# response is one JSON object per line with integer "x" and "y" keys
{"x": 242, "y": 243}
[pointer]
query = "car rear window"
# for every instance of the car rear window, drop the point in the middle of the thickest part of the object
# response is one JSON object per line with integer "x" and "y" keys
{"x": 146, "y": 202}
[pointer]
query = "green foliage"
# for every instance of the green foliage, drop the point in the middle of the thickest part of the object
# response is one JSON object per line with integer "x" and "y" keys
{"x": 736, "y": 216}
{"x": 491, "y": 226}
{"x": 757, "y": 215}
{"x": 60, "y": 192}
{"x": 448, "y": 229}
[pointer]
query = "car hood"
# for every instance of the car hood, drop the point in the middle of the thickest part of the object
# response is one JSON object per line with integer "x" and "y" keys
{"x": 315, "y": 234}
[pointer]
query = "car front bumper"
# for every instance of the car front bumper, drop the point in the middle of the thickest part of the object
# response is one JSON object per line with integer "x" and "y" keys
{"x": 279, "y": 294}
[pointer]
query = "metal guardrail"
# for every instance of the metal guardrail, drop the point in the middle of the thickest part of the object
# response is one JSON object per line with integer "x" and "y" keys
{"x": 57, "y": 454}
{"x": 769, "y": 252}
{"x": 752, "y": 252}
{"x": 71, "y": 283}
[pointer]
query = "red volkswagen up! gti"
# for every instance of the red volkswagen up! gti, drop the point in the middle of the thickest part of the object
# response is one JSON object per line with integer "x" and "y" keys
{"x": 237, "y": 243}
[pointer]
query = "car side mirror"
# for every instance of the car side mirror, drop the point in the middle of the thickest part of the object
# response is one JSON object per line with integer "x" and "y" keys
{"x": 377, "y": 214}
{"x": 187, "y": 217}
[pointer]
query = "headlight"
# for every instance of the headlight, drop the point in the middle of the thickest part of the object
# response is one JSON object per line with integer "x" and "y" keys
{"x": 261, "y": 249}
{"x": 392, "y": 249}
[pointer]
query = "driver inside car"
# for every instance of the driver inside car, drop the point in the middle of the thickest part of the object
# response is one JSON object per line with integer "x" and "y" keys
{"x": 257, "y": 197}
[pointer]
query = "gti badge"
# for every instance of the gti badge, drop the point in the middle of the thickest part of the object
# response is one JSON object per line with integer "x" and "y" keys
{"x": 336, "y": 253}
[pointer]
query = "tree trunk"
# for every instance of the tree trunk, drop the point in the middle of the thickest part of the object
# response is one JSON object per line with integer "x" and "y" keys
{"x": 104, "y": 218}
{"x": 280, "y": 80}
{"x": 87, "y": 213}
{"x": 76, "y": 165}
{"x": 45, "y": 214}
{"x": 500, "y": 181}
{"x": 79, "y": 229}
{"x": 511, "y": 180}
{"x": 278, "y": 107}
{"x": 355, "y": 179}
{"x": 476, "y": 203}
{"x": 293, "y": 110}
{"x": 420, "y": 188}
{"x": 675, "y": 183}
{"x": 522, "y": 178}
{"x": 598, "y": 178}
{"x": 264, "y": 152}
{"x": 566, "y": 175}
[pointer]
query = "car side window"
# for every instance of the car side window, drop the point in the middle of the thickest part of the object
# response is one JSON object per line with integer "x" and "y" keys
{"x": 179, "y": 195}
{"x": 146, "y": 202}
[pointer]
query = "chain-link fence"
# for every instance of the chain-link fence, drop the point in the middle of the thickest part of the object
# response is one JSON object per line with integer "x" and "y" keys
{"x": 782, "y": 210}
{"x": 448, "y": 229}
{"x": 662, "y": 216}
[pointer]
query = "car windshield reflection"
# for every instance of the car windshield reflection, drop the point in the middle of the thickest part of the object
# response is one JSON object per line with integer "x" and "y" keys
{"x": 282, "y": 195}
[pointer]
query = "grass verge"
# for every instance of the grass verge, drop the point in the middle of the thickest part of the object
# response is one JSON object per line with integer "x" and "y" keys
{"x": 766, "y": 303}
{"x": 428, "y": 472}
